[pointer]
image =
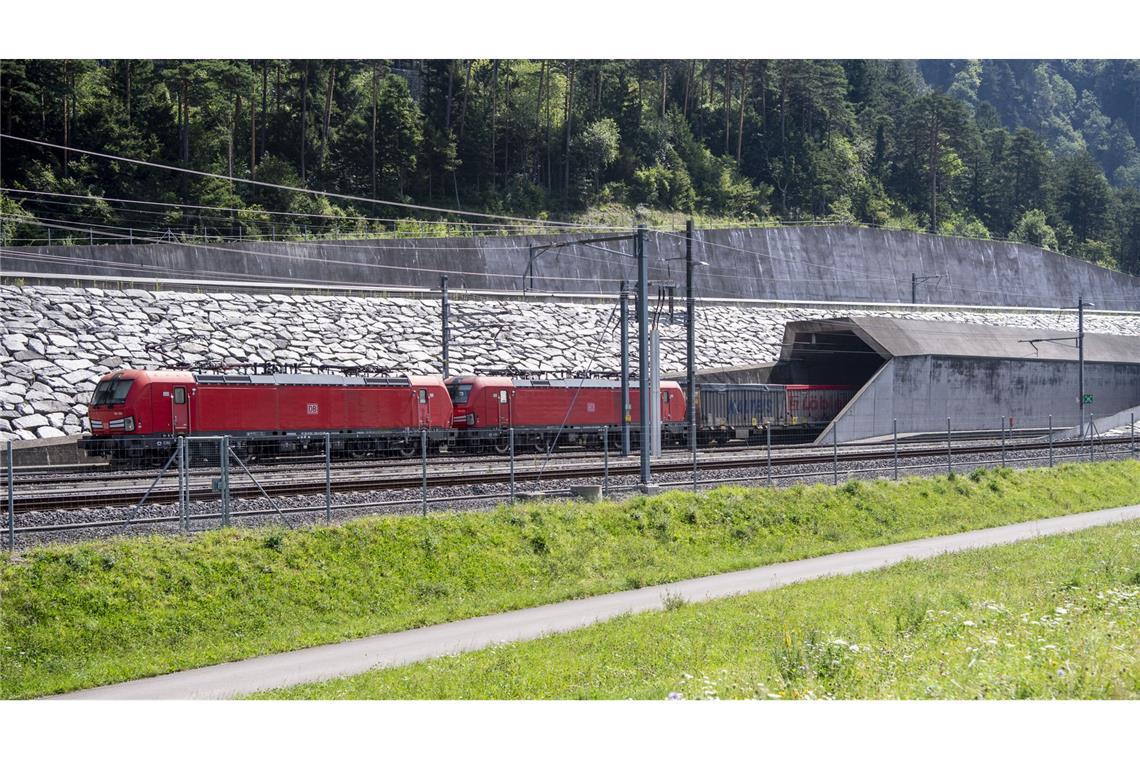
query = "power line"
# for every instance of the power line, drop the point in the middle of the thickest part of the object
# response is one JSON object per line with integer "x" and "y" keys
{"x": 270, "y": 254}
{"x": 322, "y": 193}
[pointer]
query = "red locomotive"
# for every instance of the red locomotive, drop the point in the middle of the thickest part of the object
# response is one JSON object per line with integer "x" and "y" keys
{"x": 545, "y": 413}
{"x": 136, "y": 414}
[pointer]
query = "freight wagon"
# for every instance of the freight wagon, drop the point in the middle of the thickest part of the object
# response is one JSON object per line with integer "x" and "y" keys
{"x": 726, "y": 411}
{"x": 136, "y": 415}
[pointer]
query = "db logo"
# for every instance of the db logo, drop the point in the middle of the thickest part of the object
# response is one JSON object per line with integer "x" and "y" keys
{"x": 590, "y": 406}
{"x": 314, "y": 409}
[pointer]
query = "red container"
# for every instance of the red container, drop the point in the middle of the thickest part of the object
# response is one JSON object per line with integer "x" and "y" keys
{"x": 815, "y": 404}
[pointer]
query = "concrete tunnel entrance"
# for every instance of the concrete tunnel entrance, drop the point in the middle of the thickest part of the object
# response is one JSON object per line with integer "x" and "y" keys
{"x": 826, "y": 356}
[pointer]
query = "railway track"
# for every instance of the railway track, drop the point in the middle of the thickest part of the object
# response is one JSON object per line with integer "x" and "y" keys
{"x": 46, "y": 475}
{"x": 283, "y": 482}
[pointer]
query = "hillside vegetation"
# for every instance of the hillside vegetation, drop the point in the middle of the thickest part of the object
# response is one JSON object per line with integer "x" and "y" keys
{"x": 100, "y": 612}
{"x": 1038, "y": 151}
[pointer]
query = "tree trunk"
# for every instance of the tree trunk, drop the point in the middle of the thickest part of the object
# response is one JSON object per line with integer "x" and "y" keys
{"x": 727, "y": 100}
{"x": 569, "y": 118}
{"x": 494, "y": 122}
{"x": 688, "y": 87}
{"x": 233, "y": 135}
{"x": 264, "y": 101}
{"x": 450, "y": 85}
{"x": 375, "y": 98}
{"x": 538, "y": 116}
{"x": 130, "y": 64}
{"x": 466, "y": 92}
{"x": 664, "y": 85}
{"x": 66, "y": 117}
{"x": 934, "y": 151}
{"x": 597, "y": 110}
{"x": 304, "y": 117}
{"x": 184, "y": 120}
{"x": 327, "y": 117}
{"x": 740, "y": 120}
{"x": 549, "y": 119}
{"x": 507, "y": 130}
{"x": 252, "y": 137}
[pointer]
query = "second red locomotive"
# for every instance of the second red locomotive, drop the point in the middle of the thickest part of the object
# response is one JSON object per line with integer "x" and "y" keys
{"x": 545, "y": 413}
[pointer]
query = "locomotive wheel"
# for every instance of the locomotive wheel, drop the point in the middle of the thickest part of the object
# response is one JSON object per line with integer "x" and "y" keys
{"x": 407, "y": 449}
{"x": 501, "y": 446}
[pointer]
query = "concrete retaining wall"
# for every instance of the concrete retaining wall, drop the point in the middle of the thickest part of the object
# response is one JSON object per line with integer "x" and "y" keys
{"x": 55, "y": 342}
{"x": 976, "y": 394}
{"x": 790, "y": 263}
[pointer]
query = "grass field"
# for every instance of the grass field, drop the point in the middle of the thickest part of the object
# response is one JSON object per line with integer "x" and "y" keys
{"x": 1051, "y": 618}
{"x": 101, "y": 612}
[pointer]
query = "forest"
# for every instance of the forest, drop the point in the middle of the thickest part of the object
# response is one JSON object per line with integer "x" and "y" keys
{"x": 1038, "y": 151}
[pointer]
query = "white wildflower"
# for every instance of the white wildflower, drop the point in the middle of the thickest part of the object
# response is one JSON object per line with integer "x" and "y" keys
{"x": 969, "y": 623}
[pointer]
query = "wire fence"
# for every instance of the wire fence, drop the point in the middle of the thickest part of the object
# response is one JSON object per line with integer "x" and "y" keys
{"x": 203, "y": 482}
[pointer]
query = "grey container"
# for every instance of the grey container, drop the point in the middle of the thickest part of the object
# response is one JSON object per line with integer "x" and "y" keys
{"x": 739, "y": 408}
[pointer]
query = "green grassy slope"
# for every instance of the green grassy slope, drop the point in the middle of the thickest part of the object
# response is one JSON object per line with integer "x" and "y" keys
{"x": 87, "y": 614}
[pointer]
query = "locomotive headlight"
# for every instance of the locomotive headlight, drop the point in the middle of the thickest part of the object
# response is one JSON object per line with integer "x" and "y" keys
{"x": 129, "y": 424}
{"x": 471, "y": 419}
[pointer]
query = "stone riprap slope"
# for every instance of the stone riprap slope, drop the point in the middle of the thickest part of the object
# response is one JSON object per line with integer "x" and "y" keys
{"x": 56, "y": 342}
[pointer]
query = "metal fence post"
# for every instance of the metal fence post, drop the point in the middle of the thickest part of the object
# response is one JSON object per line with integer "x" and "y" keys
{"x": 694, "y": 448}
{"x": 183, "y": 486}
{"x": 605, "y": 460}
{"x": 1050, "y": 440}
{"x": 1003, "y": 441}
{"x": 328, "y": 478}
{"x": 423, "y": 469}
{"x": 1092, "y": 442}
{"x": 834, "y": 457}
{"x": 511, "y": 446}
{"x": 949, "y": 450}
{"x": 1132, "y": 433}
{"x": 895, "y": 428}
{"x": 768, "y": 431}
{"x": 11, "y": 498}
{"x": 225, "y": 477}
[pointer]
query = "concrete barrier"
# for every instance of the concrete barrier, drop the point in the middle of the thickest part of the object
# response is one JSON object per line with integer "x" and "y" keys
{"x": 839, "y": 263}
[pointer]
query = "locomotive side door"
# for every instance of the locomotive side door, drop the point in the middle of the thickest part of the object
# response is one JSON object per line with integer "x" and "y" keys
{"x": 423, "y": 409}
{"x": 179, "y": 410}
{"x": 503, "y": 397}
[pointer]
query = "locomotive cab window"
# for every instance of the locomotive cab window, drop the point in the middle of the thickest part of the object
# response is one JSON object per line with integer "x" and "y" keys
{"x": 460, "y": 392}
{"x": 180, "y": 395}
{"x": 111, "y": 392}
{"x": 423, "y": 396}
{"x": 502, "y": 397}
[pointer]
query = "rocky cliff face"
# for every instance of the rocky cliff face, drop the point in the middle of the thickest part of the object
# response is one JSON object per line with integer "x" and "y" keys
{"x": 56, "y": 342}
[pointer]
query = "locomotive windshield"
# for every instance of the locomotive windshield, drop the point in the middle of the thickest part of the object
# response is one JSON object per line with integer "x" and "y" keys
{"x": 111, "y": 392}
{"x": 460, "y": 392}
